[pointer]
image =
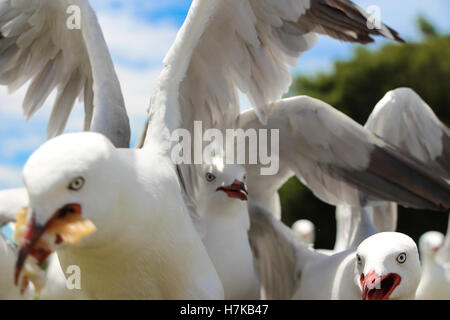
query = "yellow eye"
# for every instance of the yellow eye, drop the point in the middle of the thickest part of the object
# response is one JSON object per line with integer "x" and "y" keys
{"x": 76, "y": 184}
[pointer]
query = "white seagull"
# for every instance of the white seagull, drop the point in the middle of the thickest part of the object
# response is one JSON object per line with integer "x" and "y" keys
{"x": 117, "y": 214}
{"x": 384, "y": 266}
{"x": 435, "y": 282}
{"x": 220, "y": 198}
{"x": 305, "y": 231}
{"x": 223, "y": 46}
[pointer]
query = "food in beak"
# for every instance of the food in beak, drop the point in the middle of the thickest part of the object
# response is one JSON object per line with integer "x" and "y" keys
{"x": 237, "y": 190}
{"x": 37, "y": 242}
{"x": 376, "y": 287}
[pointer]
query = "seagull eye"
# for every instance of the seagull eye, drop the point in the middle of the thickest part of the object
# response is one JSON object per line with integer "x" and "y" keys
{"x": 76, "y": 184}
{"x": 210, "y": 177}
{"x": 359, "y": 259}
{"x": 401, "y": 258}
{"x": 245, "y": 177}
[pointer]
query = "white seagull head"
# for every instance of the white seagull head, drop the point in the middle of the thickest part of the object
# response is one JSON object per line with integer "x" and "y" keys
{"x": 305, "y": 231}
{"x": 387, "y": 267}
{"x": 222, "y": 184}
{"x": 73, "y": 185}
{"x": 430, "y": 243}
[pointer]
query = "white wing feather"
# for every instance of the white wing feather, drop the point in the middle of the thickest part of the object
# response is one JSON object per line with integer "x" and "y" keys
{"x": 37, "y": 45}
{"x": 332, "y": 154}
{"x": 245, "y": 45}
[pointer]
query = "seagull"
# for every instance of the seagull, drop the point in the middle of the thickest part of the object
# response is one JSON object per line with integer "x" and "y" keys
{"x": 117, "y": 214}
{"x": 384, "y": 266}
{"x": 220, "y": 199}
{"x": 201, "y": 73}
{"x": 435, "y": 282}
{"x": 305, "y": 231}
{"x": 200, "y": 80}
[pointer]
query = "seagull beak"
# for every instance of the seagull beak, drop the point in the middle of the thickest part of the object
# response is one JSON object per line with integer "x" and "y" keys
{"x": 238, "y": 190}
{"x": 39, "y": 241}
{"x": 375, "y": 287}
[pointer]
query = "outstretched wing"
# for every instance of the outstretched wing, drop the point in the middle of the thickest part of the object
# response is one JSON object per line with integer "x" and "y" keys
{"x": 404, "y": 120}
{"x": 41, "y": 43}
{"x": 246, "y": 45}
{"x": 333, "y": 154}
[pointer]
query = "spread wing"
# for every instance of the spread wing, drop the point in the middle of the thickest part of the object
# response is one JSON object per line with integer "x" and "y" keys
{"x": 245, "y": 45}
{"x": 332, "y": 154}
{"x": 403, "y": 119}
{"x": 37, "y": 46}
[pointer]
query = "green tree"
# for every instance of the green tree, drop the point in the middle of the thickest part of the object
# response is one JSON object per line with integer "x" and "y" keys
{"x": 354, "y": 87}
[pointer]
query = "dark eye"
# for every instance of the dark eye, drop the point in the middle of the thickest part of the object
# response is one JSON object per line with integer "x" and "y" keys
{"x": 245, "y": 177}
{"x": 358, "y": 259}
{"x": 76, "y": 184}
{"x": 210, "y": 177}
{"x": 401, "y": 258}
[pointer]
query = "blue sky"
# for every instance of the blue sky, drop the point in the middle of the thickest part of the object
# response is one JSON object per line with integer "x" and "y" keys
{"x": 139, "y": 33}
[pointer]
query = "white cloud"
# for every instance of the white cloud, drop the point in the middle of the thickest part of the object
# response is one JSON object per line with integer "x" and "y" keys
{"x": 13, "y": 146}
{"x": 10, "y": 177}
{"x": 135, "y": 40}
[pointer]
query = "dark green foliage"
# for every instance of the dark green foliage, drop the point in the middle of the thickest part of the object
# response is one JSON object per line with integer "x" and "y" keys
{"x": 427, "y": 29}
{"x": 354, "y": 87}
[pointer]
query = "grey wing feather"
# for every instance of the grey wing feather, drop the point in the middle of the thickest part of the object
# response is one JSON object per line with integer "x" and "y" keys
{"x": 404, "y": 120}
{"x": 279, "y": 256}
{"x": 332, "y": 154}
{"x": 343, "y": 20}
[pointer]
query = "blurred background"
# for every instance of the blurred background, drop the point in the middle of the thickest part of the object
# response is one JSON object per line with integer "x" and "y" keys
{"x": 350, "y": 77}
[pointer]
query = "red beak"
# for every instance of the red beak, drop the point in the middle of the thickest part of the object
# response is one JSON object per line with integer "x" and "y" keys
{"x": 376, "y": 287}
{"x": 31, "y": 245}
{"x": 33, "y": 234}
{"x": 238, "y": 190}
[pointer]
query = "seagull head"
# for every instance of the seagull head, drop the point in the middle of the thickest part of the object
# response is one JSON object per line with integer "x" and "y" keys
{"x": 223, "y": 183}
{"x": 305, "y": 231}
{"x": 387, "y": 267}
{"x": 70, "y": 183}
{"x": 430, "y": 243}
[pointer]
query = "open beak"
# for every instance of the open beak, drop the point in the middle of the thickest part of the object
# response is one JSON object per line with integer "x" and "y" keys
{"x": 376, "y": 287}
{"x": 37, "y": 242}
{"x": 237, "y": 190}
